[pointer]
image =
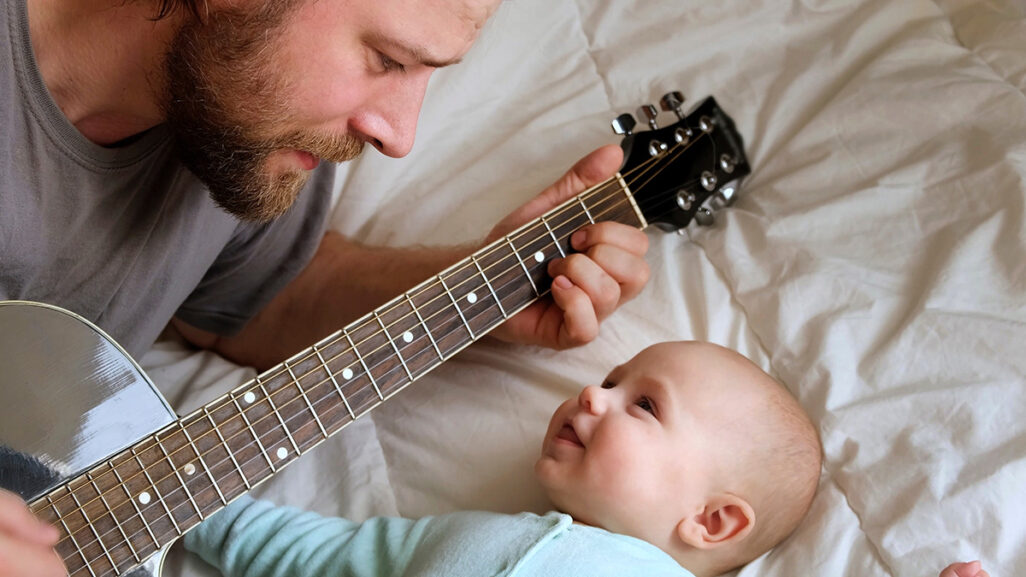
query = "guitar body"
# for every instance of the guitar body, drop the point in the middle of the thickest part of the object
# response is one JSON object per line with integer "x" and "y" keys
{"x": 73, "y": 398}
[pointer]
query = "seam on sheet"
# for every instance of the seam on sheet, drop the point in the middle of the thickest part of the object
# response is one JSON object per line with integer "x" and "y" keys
{"x": 591, "y": 56}
{"x": 954, "y": 34}
{"x": 725, "y": 278}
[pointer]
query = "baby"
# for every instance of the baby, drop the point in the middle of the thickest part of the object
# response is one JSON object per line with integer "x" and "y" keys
{"x": 688, "y": 460}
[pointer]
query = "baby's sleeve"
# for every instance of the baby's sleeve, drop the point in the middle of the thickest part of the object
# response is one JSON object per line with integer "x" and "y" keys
{"x": 258, "y": 539}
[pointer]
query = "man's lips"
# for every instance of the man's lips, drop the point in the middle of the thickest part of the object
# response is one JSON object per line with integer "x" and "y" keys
{"x": 308, "y": 160}
{"x": 569, "y": 435}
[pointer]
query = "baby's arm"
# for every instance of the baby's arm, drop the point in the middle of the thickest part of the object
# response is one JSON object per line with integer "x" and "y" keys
{"x": 257, "y": 539}
{"x": 972, "y": 569}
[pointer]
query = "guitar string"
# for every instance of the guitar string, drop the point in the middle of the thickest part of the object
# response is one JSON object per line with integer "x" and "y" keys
{"x": 298, "y": 399}
{"x": 295, "y": 398}
{"x": 307, "y": 423}
{"x": 434, "y": 283}
{"x": 323, "y": 382}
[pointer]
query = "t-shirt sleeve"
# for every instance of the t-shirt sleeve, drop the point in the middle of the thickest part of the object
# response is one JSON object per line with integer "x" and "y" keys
{"x": 253, "y": 538}
{"x": 259, "y": 261}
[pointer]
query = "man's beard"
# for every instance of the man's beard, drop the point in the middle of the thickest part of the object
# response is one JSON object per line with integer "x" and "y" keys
{"x": 228, "y": 111}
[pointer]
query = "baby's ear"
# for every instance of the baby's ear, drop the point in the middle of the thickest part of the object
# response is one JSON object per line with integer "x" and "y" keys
{"x": 725, "y": 519}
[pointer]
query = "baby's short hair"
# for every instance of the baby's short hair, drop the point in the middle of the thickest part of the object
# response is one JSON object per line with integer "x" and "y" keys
{"x": 777, "y": 467}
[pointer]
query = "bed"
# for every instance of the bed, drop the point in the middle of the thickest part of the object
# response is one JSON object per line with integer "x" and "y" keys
{"x": 874, "y": 263}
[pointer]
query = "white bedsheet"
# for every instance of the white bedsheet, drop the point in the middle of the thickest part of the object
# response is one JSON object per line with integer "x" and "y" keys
{"x": 874, "y": 263}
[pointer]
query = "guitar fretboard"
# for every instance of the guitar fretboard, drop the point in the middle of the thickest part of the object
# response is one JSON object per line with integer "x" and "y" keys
{"x": 120, "y": 513}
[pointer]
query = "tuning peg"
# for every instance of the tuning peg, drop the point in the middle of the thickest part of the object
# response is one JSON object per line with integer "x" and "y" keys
{"x": 648, "y": 113}
{"x": 624, "y": 124}
{"x": 672, "y": 102}
{"x": 704, "y": 217}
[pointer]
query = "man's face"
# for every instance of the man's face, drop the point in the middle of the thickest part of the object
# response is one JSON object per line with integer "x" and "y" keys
{"x": 633, "y": 454}
{"x": 260, "y": 92}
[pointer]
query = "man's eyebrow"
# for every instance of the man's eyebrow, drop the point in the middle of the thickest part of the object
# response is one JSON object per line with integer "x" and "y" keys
{"x": 415, "y": 53}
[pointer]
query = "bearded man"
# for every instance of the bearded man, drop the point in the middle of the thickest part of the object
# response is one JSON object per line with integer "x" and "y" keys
{"x": 161, "y": 163}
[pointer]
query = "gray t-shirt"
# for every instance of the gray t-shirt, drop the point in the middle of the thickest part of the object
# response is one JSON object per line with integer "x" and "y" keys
{"x": 126, "y": 236}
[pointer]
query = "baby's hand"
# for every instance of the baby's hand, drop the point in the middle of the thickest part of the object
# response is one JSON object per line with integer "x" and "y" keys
{"x": 971, "y": 569}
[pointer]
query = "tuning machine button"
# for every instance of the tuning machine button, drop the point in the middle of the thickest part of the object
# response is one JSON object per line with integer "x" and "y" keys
{"x": 709, "y": 181}
{"x": 624, "y": 124}
{"x": 704, "y": 217}
{"x": 648, "y": 113}
{"x": 672, "y": 102}
{"x": 685, "y": 199}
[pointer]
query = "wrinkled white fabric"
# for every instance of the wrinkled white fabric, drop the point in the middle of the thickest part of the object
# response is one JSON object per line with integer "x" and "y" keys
{"x": 874, "y": 262}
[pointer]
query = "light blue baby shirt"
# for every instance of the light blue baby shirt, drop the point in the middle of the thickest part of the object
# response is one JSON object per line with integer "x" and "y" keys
{"x": 257, "y": 539}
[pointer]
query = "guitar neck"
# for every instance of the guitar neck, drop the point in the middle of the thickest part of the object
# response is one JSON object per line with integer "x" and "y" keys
{"x": 122, "y": 512}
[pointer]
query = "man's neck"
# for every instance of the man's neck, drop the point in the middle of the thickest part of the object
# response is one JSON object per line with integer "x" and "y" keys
{"x": 102, "y": 61}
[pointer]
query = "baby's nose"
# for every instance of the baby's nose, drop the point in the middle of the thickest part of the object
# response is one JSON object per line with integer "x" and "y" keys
{"x": 591, "y": 399}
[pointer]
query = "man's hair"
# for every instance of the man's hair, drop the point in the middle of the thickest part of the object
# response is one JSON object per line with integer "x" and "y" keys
{"x": 166, "y": 8}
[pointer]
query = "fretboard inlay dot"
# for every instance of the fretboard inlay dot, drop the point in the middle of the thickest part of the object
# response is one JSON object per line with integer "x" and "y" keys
{"x": 249, "y": 397}
{"x": 408, "y": 337}
{"x": 472, "y": 298}
{"x": 282, "y": 452}
{"x": 347, "y": 373}
{"x": 144, "y": 497}
{"x": 539, "y": 256}
{"x": 190, "y": 469}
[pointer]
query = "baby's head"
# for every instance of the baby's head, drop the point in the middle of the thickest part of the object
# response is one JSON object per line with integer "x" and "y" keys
{"x": 688, "y": 446}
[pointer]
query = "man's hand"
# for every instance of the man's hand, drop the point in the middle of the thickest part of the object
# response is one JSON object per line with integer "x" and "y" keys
{"x": 607, "y": 270}
{"x": 972, "y": 569}
{"x": 26, "y": 544}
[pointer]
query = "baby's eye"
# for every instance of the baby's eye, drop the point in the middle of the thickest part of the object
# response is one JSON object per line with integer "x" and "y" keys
{"x": 646, "y": 404}
{"x": 608, "y": 385}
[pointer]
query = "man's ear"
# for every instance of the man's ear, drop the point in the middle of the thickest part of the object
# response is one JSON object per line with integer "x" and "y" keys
{"x": 725, "y": 519}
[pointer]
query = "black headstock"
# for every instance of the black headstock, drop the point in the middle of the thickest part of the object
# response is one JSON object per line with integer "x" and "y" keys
{"x": 686, "y": 170}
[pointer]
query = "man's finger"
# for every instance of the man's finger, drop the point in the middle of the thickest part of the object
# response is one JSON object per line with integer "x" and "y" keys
{"x": 580, "y": 325}
{"x": 20, "y": 559}
{"x": 17, "y": 522}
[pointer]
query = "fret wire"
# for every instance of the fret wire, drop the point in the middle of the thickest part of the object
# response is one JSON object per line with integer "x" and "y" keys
{"x": 489, "y": 285}
{"x": 89, "y": 523}
{"x": 114, "y": 517}
{"x": 424, "y": 325}
{"x": 586, "y": 211}
{"x": 455, "y": 304}
{"x": 498, "y": 302}
{"x": 395, "y": 348}
{"x": 302, "y": 393}
{"x": 523, "y": 266}
{"x": 252, "y": 431}
{"x": 554, "y": 239}
{"x": 331, "y": 376}
{"x": 74, "y": 541}
{"x": 366, "y": 370}
{"x": 155, "y": 490}
{"x": 121, "y": 483}
{"x": 274, "y": 409}
{"x": 227, "y": 449}
{"x": 203, "y": 462}
{"x": 171, "y": 463}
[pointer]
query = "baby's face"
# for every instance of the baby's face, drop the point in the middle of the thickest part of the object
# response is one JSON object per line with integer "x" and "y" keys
{"x": 633, "y": 455}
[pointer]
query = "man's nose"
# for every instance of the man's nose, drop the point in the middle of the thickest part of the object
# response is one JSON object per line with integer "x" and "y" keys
{"x": 389, "y": 121}
{"x": 593, "y": 400}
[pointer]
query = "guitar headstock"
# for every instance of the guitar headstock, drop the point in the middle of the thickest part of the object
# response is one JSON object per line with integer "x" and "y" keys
{"x": 684, "y": 171}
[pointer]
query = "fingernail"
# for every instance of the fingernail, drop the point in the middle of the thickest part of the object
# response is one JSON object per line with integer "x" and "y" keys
{"x": 563, "y": 282}
{"x": 578, "y": 238}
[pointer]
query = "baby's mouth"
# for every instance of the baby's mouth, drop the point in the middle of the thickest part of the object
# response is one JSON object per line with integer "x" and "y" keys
{"x": 567, "y": 433}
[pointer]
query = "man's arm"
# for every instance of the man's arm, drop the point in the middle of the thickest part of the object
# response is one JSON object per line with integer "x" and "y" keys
{"x": 346, "y": 280}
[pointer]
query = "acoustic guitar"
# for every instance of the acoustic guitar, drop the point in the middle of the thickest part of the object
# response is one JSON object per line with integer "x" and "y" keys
{"x": 90, "y": 444}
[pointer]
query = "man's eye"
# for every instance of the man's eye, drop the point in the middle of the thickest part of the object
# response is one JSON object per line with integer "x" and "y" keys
{"x": 646, "y": 405}
{"x": 390, "y": 65}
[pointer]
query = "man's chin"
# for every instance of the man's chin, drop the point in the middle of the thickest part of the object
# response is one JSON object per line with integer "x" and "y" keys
{"x": 266, "y": 202}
